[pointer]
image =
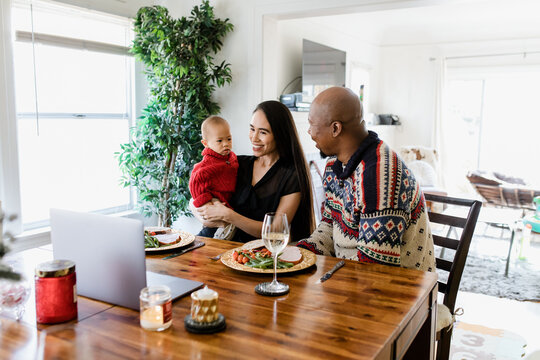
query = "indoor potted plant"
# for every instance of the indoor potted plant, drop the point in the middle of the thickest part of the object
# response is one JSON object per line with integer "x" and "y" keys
{"x": 6, "y": 272}
{"x": 14, "y": 289}
{"x": 182, "y": 75}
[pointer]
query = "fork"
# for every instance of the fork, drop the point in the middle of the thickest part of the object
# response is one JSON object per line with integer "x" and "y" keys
{"x": 215, "y": 258}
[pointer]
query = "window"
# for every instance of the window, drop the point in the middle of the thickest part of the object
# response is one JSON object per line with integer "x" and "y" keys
{"x": 73, "y": 101}
{"x": 462, "y": 131}
{"x": 492, "y": 122}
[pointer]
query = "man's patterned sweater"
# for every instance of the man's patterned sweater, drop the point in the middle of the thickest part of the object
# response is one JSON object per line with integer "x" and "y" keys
{"x": 374, "y": 211}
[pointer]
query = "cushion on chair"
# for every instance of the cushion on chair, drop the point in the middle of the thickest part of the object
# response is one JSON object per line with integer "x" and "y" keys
{"x": 417, "y": 152}
{"x": 444, "y": 317}
{"x": 493, "y": 178}
{"x": 509, "y": 179}
{"x": 424, "y": 173}
{"x": 482, "y": 177}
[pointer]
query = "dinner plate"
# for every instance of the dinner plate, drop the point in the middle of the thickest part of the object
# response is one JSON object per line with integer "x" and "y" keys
{"x": 187, "y": 239}
{"x": 308, "y": 259}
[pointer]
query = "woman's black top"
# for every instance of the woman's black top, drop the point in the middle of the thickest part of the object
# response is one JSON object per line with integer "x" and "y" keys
{"x": 255, "y": 201}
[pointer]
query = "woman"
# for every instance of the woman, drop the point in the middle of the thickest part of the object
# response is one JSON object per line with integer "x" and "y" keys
{"x": 275, "y": 178}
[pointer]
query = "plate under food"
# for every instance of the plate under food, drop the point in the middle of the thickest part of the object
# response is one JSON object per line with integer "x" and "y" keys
{"x": 187, "y": 239}
{"x": 308, "y": 259}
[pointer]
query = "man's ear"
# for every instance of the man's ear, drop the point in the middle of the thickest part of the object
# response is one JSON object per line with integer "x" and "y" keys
{"x": 337, "y": 127}
{"x": 204, "y": 142}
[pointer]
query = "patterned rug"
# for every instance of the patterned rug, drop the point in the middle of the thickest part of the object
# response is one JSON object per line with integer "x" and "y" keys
{"x": 481, "y": 343}
{"x": 486, "y": 262}
{"x": 485, "y": 275}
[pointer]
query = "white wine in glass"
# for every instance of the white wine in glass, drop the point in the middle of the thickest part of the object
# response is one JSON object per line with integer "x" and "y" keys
{"x": 275, "y": 235}
{"x": 275, "y": 242}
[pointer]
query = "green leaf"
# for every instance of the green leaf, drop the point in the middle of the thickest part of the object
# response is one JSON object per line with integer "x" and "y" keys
{"x": 178, "y": 59}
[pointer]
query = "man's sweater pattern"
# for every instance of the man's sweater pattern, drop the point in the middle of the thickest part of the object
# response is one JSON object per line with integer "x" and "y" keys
{"x": 374, "y": 211}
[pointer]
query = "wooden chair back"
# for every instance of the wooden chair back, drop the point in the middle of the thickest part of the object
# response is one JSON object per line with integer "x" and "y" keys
{"x": 461, "y": 245}
{"x": 455, "y": 266}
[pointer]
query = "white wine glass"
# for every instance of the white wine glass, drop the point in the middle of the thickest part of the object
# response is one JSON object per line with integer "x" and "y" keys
{"x": 275, "y": 235}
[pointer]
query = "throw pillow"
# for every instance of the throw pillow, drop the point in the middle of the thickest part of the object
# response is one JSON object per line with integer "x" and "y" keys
{"x": 423, "y": 172}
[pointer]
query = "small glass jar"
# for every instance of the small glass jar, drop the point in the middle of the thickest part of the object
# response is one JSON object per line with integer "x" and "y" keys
{"x": 56, "y": 291}
{"x": 13, "y": 296}
{"x": 156, "y": 308}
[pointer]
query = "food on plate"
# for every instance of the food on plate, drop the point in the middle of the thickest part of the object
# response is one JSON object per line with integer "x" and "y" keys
{"x": 157, "y": 230}
{"x": 291, "y": 254}
{"x": 262, "y": 258}
{"x": 155, "y": 236}
{"x": 168, "y": 239}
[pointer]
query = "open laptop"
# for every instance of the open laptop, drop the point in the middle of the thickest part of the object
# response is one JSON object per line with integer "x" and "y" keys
{"x": 109, "y": 257}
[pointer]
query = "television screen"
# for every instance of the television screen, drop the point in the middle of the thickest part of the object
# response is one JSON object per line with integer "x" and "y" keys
{"x": 322, "y": 67}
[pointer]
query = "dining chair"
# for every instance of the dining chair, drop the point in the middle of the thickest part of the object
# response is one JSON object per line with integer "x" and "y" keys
{"x": 453, "y": 263}
{"x": 317, "y": 189}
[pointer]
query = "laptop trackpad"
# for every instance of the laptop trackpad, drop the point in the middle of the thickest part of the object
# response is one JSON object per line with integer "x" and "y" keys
{"x": 179, "y": 287}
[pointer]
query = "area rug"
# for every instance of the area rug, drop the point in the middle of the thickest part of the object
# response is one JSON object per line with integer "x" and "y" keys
{"x": 484, "y": 271}
{"x": 485, "y": 275}
{"x": 481, "y": 343}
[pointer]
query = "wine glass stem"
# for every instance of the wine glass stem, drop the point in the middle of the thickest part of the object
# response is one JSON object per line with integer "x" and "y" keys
{"x": 275, "y": 268}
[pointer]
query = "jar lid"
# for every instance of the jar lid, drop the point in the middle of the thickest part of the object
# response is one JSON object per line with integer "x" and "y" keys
{"x": 155, "y": 294}
{"x": 55, "y": 268}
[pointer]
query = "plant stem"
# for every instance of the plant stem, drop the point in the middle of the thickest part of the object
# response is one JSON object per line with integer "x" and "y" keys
{"x": 164, "y": 218}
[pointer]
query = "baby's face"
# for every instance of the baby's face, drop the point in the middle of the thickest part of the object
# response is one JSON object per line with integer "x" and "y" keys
{"x": 219, "y": 139}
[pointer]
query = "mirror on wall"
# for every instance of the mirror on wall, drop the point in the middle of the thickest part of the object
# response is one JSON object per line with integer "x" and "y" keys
{"x": 322, "y": 67}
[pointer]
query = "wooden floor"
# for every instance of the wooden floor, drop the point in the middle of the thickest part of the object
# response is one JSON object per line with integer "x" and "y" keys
{"x": 520, "y": 317}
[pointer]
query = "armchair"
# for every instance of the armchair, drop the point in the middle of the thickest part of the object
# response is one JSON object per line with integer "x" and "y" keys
{"x": 424, "y": 163}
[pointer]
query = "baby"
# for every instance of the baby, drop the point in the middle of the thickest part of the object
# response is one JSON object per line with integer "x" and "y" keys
{"x": 215, "y": 176}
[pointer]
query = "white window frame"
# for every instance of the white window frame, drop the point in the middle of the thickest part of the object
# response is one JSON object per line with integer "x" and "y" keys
{"x": 9, "y": 162}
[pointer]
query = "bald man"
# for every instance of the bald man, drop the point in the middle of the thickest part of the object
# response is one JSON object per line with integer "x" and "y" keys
{"x": 374, "y": 210}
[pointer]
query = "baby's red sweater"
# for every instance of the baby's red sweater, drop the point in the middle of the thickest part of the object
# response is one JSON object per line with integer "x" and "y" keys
{"x": 213, "y": 177}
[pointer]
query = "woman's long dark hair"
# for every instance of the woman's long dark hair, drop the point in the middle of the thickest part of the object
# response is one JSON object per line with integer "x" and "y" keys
{"x": 288, "y": 145}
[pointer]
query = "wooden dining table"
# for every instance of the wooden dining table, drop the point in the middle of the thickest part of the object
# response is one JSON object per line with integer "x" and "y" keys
{"x": 364, "y": 311}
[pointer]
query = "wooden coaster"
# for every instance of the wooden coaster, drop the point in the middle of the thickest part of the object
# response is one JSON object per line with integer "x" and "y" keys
{"x": 205, "y": 328}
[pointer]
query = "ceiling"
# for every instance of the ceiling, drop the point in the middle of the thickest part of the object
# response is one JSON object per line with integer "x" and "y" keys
{"x": 452, "y": 21}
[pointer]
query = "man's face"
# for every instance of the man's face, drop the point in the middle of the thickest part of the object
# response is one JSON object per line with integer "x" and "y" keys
{"x": 320, "y": 130}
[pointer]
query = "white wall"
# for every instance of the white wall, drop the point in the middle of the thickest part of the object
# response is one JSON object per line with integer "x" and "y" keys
{"x": 407, "y": 80}
{"x": 407, "y": 88}
{"x": 234, "y": 99}
{"x": 265, "y": 53}
{"x": 288, "y": 52}
{"x": 284, "y": 57}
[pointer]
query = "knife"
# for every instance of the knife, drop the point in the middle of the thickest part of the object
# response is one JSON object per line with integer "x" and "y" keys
{"x": 329, "y": 274}
{"x": 196, "y": 244}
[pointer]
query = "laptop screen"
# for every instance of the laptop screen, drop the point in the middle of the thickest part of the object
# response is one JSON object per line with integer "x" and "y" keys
{"x": 108, "y": 253}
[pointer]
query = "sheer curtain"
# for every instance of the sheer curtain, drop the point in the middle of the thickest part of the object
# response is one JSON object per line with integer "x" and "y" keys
{"x": 438, "y": 139}
{"x": 9, "y": 169}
